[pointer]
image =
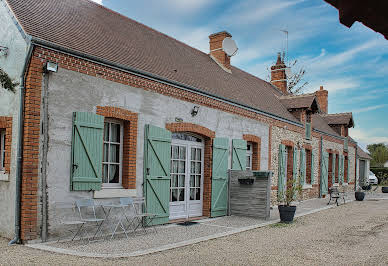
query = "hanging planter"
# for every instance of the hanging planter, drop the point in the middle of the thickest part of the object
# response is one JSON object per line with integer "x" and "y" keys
{"x": 6, "y": 82}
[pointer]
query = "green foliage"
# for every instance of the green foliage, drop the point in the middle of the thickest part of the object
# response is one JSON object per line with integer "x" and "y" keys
{"x": 382, "y": 174}
{"x": 293, "y": 191}
{"x": 379, "y": 154}
{"x": 6, "y": 82}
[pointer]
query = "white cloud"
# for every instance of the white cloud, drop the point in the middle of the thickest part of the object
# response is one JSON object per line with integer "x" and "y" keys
{"x": 334, "y": 85}
{"x": 98, "y": 1}
{"x": 188, "y": 5}
{"x": 370, "y": 108}
{"x": 365, "y": 137}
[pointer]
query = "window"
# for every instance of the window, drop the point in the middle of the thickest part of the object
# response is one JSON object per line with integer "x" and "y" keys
{"x": 112, "y": 159}
{"x": 2, "y": 150}
{"x": 249, "y": 155}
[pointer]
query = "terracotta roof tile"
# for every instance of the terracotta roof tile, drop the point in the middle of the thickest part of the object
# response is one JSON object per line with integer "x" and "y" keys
{"x": 297, "y": 101}
{"x": 362, "y": 154}
{"x": 339, "y": 119}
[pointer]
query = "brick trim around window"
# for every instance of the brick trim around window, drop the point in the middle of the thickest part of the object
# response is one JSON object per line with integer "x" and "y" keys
{"x": 130, "y": 120}
{"x": 256, "y": 153}
{"x": 208, "y": 135}
{"x": 6, "y": 124}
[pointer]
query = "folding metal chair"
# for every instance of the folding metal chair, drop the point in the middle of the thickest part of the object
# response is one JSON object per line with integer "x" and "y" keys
{"x": 67, "y": 217}
{"x": 134, "y": 220}
{"x": 146, "y": 217}
{"x": 84, "y": 206}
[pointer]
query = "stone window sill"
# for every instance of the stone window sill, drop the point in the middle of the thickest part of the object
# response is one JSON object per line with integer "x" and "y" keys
{"x": 307, "y": 186}
{"x": 106, "y": 193}
{"x": 4, "y": 176}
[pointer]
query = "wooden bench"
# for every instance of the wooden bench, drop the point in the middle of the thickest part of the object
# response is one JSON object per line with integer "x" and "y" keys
{"x": 336, "y": 194}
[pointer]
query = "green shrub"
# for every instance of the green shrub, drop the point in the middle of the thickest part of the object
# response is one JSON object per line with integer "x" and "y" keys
{"x": 381, "y": 174}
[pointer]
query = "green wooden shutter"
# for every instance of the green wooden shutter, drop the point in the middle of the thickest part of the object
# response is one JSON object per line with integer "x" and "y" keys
{"x": 342, "y": 158}
{"x": 333, "y": 168}
{"x": 308, "y": 131}
{"x": 346, "y": 144}
{"x": 324, "y": 173}
{"x": 348, "y": 177}
{"x": 86, "y": 151}
{"x": 219, "y": 197}
{"x": 303, "y": 166}
{"x": 239, "y": 154}
{"x": 282, "y": 170}
{"x": 295, "y": 164}
{"x": 157, "y": 159}
{"x": 312, "y": 168}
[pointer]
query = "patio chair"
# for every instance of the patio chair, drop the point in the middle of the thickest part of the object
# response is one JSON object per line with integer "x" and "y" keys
{"x": 69, "y": 220}
{"x": 87, "y": 214}
{"x": 134, "y": 220}
{"x": 140, "y": 208}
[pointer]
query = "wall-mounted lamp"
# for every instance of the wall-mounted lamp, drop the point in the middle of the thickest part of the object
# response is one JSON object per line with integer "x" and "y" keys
{"x": 3, "y": 50}
{"x": 50, "y": 67}
{"x": 195, "y": 110}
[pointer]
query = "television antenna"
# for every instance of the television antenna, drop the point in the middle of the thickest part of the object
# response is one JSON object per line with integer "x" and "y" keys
{"x": 286, "y": 33}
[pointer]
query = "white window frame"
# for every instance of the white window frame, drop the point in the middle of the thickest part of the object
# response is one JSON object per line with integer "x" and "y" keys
{"x": 2, "y": 150}
{"x": 249, "y": 155}
{"x": 119, "y": 122}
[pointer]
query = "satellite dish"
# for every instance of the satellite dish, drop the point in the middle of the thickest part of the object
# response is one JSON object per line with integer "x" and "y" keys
{"x": 229, "y": 46}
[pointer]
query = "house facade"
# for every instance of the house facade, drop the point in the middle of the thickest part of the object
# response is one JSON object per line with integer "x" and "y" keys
{"x": 108, "y": 112}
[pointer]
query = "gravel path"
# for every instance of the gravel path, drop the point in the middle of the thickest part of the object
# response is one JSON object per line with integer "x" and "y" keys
{"x": 352, "y": 234}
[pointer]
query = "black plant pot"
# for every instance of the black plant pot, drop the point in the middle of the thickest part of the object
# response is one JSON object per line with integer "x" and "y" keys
{"x": 359, "y": 195}
{"x": 384, "y": 189}
{"x": 287, "y": 213}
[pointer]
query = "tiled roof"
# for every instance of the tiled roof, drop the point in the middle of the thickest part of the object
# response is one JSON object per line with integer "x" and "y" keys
{"x": 362, "y": 154}
{"x": 297, "y": 101}
{"x": 339, "y": 119}
{"x": 94, "y": 30}
{"x": 320, "y": 124}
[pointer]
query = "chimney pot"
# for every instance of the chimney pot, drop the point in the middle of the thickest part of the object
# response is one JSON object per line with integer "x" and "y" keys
{"x": 278, "y": 75}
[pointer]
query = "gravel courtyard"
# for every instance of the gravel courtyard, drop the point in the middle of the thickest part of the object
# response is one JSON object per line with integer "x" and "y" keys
{"x": 351, "y": 234}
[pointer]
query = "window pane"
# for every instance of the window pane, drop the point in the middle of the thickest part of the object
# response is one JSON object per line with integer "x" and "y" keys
{"x": 182, "y": 167}
{"x": 181, "y": 181}
{"x": 181, "y": 194}
{"x": 198, "y": 168}
{"x": 182, "y": 153}
{"x": 192, "y": 194}
{"x": 175, "y": 166}
{"x": 175, "y": 150}
{"x": 198, "y": 181}
{"x": 115, "y": 133}
{"x": 193, "y": 154}
{"x": 192, "y": 180}
{"x": 174, "y": 196}
{"x": 199, "y": 154}
{"x": 114, "y": 175}
{"x": 105, "y": 173}
{"x": 192, "y": 167}
{"x": 198, "y": 194}
{"x": 106, "y": 153}
{"x": 114, "y": 153}
{"x": 174, "y": 180}
{"x": 106, "y": 131}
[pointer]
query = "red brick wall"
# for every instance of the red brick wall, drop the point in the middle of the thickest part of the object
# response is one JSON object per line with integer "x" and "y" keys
{"x": 308, "y": 166}
{"x": 215, "y": 42}
{"x": 256, "y": 150}
{"x": 6, "y": 124}
{"x": 322, "y": 96}
{"x": 346, "y": 169}
{"x": 129, "y": 141}
{"x": 208, "y": 135}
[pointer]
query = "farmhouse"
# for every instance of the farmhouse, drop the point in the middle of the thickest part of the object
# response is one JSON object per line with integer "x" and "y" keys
{"x": 108, "y": 107}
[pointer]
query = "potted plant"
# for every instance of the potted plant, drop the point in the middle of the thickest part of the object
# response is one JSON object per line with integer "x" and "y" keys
{"x": 285, "y": 199}
{"x": 359, "y": 194}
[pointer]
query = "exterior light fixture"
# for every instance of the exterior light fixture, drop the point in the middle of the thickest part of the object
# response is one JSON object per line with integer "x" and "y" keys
{"x": 51, "y": 67}
{"x": 194, "y": 112}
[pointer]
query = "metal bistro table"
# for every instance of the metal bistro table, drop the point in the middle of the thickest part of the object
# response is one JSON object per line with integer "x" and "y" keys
{"x": 107, "y": 209}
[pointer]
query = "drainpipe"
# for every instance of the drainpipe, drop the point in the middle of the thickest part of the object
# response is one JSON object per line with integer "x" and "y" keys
{"x": 320, "y": 167}
{"x": 16, "y": 239}
{"x": 355, "y": 170}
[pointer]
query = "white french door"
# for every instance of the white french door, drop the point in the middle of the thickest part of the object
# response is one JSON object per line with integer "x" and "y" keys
{"x": 186, "y": 186}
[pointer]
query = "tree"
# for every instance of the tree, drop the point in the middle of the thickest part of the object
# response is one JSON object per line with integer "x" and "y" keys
{"x": 379, "y": 154}
{"x": 6, "y": 82}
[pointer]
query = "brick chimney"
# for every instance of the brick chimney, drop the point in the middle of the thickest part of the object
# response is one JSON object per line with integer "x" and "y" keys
{"x": 278, "y": 75}
{"x": 322, "y": 95}
{"x": 216, "y": 51}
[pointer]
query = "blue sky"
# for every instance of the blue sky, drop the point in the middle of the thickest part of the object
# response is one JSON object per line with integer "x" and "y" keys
{"x": 350, "y": 63}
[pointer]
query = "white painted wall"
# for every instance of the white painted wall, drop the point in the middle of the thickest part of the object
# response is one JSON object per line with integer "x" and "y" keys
{"x": 71, "y": 91}
{"x": 12, "y": 64}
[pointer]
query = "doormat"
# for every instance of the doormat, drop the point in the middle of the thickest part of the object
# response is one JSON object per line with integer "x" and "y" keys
{"x": 187, "y": 223}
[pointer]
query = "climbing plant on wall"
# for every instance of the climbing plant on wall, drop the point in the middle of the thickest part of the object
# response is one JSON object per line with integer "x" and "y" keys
{"x": 6, "y": 82}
